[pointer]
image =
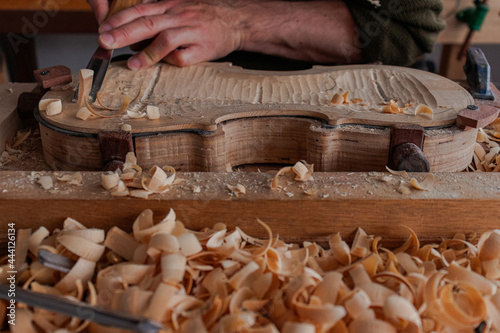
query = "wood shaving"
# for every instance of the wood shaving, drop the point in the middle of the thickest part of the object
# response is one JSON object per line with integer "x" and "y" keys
{"x": 134, "y": 182}
{"x": 153, "y": 112}
{"x": 424, "y": 110}
{"x": 238, "y": 189}
{"x": 486, "y": 157}
{"x": 219, "y": 280}
{"x": 302, "y": 170}
{"x": 45, "y": 182}
{"x": 392, "y": 108}
{"x": 44, "y": 102}
{"x": 20, "y": 138}
{"x": 126, "y": 103}
{"x": 126, "y": 127}
{"x": 403, "y": 189}
{"x": 98, "y": 98}
{"x": 83, "y": 113}
{"x": 72, "y": 178}
{"x": 426, "y": 184}
{"x": 54, "y": 108}
{"x": 337, "y": 99}
{"x": 84, "y": 87}
{"x": 402, "y": 173}
{"x": 136, "y": 115}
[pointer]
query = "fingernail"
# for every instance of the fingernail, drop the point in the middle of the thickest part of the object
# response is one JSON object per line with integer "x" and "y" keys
{"x": 134, "y": 63}
{"x": 105, "y": 28}
{"x": 107, "y": 39}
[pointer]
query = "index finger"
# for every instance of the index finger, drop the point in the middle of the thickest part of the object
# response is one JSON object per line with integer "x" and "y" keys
{"x": 147, "y": 8}
{"x": 100, "y": 8}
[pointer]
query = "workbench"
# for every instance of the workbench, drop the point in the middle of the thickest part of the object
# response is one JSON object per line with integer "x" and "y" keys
{"x": 335, "y": 202}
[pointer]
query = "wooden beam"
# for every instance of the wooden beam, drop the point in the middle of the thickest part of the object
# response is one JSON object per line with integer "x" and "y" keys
{"x": 460, "y": 202}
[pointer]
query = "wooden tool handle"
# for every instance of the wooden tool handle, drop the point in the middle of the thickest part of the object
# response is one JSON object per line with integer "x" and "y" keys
{"x": 119, "y": 5}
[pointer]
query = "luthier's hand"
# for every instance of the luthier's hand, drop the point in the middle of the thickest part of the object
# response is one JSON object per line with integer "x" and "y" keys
{"x": 185, "y": 32}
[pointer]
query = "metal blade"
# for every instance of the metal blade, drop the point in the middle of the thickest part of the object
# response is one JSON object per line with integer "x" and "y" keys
{"x": 81, "y": 310}
{"x": 55, "y": 261}
{"x": 99, "y": 64}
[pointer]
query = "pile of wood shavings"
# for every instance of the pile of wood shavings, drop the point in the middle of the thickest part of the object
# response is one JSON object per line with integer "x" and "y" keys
{"x": 217, "y": 280}
{"x": 133, "y": 182}
{"x": 487, "y": 150}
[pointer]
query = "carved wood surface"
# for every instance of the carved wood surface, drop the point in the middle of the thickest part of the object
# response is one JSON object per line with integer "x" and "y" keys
{"x": 212, "y": 114}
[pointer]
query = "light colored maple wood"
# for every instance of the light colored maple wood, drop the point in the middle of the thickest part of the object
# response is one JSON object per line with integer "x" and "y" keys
{"x": 9, "y": 120}
{"x": 204, "y": 95}
{"x": 214, "y": 114}
{"x": 459, "y": 202}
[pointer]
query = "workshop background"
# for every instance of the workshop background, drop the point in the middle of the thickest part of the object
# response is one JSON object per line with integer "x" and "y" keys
{"x": 46, "y": 35}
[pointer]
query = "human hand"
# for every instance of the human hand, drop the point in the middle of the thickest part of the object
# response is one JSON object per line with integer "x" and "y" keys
{"x": 183, "y": 32}
{"x": 100, "y": 8}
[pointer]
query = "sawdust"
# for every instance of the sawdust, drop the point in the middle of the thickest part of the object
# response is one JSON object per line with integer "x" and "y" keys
{"x": 28, "y": 156}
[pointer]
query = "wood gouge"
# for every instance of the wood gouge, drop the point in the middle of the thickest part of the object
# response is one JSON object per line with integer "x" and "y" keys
{"x": 99, "y": 315}
{"x": 100, "y": 60}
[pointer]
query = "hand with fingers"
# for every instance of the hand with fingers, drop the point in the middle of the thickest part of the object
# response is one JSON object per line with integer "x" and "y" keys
{"x": 185, "y": 32}
{"x": 181, "y": 32}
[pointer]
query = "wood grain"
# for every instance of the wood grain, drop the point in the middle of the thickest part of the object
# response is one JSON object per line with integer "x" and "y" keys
{"x": 214, "y": 114}
{"x": 459, "y": 202}
{"x": 269, "y": 140}
{"x": 204, "y": 95}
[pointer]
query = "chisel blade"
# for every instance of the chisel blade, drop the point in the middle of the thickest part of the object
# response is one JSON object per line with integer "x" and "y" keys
{"x": 99, "y": 64}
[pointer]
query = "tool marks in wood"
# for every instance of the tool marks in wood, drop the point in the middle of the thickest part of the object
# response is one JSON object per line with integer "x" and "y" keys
{"x": 206, "y": 98}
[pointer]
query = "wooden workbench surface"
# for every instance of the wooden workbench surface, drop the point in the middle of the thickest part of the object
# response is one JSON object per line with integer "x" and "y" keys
{"x": 341, "y": 202}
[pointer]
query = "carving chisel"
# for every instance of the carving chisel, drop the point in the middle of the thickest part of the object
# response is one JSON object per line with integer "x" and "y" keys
{"x": 99, "y": 315}
{"x": 100, "y": 60}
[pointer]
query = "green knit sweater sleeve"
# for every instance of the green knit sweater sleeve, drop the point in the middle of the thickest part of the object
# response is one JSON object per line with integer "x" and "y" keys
{"x": 396, "y": 32}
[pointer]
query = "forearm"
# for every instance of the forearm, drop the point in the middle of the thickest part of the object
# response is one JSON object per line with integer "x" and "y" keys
{"x": 316, "y": 31}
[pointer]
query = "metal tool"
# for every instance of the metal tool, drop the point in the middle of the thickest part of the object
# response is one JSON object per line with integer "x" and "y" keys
{"x": 55, "y": 261}
{"x": 100, "y": 60}
{"x": 82, "y": 310}
{"x": 478, "y": 72}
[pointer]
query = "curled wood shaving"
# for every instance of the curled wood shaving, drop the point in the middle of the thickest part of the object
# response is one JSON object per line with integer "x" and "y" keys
{"x": 221, "y": 280}
{"x": 156, "y": 181}
{"x": 302, "y": 170}
{"x": 486, "y": 157}
{"x": 126, "y": 103}
{"x": 424, "y": 110}
{"x": 20, "y": 138}
{"x": 397, "y": 173}
{"x": 426, "y": 184}
{"x": 116, "y": 109}
{"x": 72, "y": 179}
{"x": 337, "y": 99}
{"x": 237, "y": 189}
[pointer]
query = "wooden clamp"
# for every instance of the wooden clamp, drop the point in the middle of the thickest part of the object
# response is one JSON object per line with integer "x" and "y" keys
{"x": 55, "y": 76}
{"x": 477, "y": 117}
{"x": 405, "y": 150}
{"x": 114, "y": 146}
